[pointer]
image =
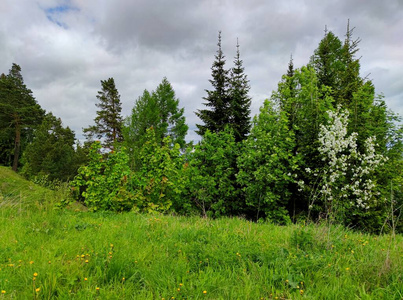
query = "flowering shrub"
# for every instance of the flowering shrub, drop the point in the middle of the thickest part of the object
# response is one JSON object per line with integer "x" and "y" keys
{"x": 346, "y": 180}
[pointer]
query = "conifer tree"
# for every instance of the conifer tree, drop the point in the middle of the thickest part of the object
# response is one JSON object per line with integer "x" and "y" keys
{"x": 240, "y": 100}
{"x": 218, "y": 99}
{"x": 108, "y": 122}
{"x": 19, "y": 114}
{"x": 350, "y": 80}
{"x": 327, "y": 61}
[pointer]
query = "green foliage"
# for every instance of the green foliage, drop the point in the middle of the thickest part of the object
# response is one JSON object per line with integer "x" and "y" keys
{"x": 107, "y": 183}
{"x": 328, "y": 63}
{"x": 228, "y": 102}
{"x": 212, "y": 174}
{"x": 171, "y": 121}
{"x": 218, "y": 100}
{"x": 240, "y": 100}
{"x": 108, "y": 122}
{"x": 159, "y": 110}
{"x": 267, "y": 164}
{"x": 19, "y": 114}
{"x": 51, "y": 151}
{"x": 159, "y": 181}
{"x": 304, "y": 104}
{"x": 103, "y": 182}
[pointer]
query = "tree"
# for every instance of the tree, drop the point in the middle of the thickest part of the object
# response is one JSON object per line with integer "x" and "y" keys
{"x": 350, "y": 80}
{"x": 109, "y": 184}
{"x": 267, "y": 165}
{"x": 108, "y": 122}
{"x": 159, "y": 183}
{"x": 159, "y": 110}
{"x": 240, "y": 101}
{"x": 19, "y": 114}
{"x": 213, "y": 174}
{"x": 51, "y": 152}
{"x": 328, "y": 63}
{"x": 218, "y": 100}
{"x": 171, "y": 121}
{"x": 304, "y": 104}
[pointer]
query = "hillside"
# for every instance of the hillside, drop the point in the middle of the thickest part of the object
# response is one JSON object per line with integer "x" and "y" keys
{"x": 64, "y": 254}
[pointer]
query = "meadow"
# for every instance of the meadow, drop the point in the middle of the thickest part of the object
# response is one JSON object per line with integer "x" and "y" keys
{"x": 51, "y": 253}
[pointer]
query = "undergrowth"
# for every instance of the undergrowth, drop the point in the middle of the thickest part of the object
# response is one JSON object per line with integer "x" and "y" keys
{"x": 48, "y": 253}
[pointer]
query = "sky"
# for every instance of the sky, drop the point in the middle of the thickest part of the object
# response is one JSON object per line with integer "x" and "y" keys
{"x": 66, "y": 47}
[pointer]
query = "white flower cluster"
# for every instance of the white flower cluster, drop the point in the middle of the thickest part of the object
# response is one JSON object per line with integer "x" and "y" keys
{"x": 347, "y": 173}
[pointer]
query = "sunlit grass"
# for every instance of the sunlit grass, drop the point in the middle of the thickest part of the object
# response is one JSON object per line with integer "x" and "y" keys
{"x": 66, "y": 254}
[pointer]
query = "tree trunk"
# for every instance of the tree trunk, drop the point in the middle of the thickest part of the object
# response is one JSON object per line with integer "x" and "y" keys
{"x": 17, "y": 145}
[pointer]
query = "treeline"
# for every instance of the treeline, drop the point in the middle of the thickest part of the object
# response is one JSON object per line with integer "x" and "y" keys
{"x": 324, "y": 146}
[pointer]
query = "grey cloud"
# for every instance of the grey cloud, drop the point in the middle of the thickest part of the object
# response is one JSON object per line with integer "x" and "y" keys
{"x": 139, "y": 42}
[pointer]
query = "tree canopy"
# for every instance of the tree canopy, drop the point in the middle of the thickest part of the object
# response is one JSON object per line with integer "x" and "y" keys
{"x": 108, "y": 122}
{"x": 19, "y": 114}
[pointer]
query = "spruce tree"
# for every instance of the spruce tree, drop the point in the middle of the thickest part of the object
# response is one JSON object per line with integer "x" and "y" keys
{"x": 239, "y": 99}
{"x": 108, "y": 122}
{"x": 218, "y": 99}
{"x": 350, "y": 80}
{"x": 327, "y": 61}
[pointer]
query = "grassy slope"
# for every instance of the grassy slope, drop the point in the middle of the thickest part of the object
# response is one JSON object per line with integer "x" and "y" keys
{"x": 80, "y": 255}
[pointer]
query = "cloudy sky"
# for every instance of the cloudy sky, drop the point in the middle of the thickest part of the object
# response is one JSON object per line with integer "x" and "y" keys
{"x": 65, "y": 47}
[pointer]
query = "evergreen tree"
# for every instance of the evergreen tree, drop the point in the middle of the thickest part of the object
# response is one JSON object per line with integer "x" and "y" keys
{"x": 218, "y": 100}
{"x": 108, "y": 122}
{"x": 19, "y": 114}
{"x": 240, "y": 100}
{"x": 51, "y": 152}
{"x": 328, "y": 63}
{"x": 350, "y": 80}
{"x": 286, "y": 100}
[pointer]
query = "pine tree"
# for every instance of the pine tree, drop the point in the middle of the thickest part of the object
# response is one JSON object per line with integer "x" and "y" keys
{"x": 240, "y": 100}
{"x": 108, "y": 122}
{"x": 218, "y": 100}
{"x": 19, "y": 114}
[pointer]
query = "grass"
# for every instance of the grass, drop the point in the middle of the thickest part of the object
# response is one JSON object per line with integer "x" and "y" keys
{"x": 47, "y": 253}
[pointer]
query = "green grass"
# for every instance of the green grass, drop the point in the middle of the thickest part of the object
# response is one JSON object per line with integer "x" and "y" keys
{"x": 82, "y": 255}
